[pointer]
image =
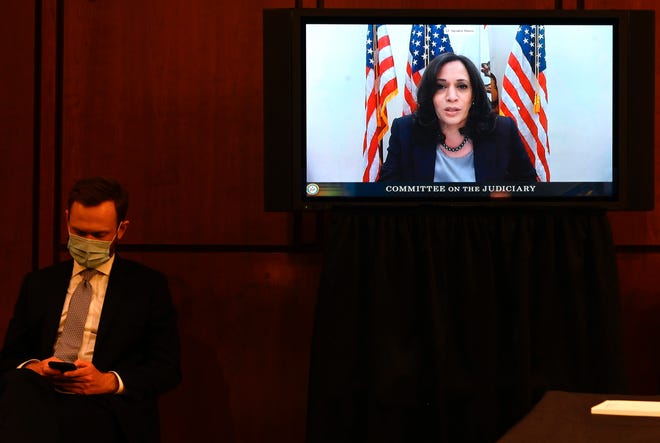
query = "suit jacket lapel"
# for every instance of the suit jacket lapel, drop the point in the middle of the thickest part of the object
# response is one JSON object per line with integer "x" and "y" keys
{"x": 58, "y": 287}
{"x": 111, "y": 303}
{"x": 425, "y": 162}
{"x": 485, "y": 152}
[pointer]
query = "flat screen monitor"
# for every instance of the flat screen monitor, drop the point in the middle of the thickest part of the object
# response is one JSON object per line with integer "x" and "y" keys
{"x": 559, "y": 108}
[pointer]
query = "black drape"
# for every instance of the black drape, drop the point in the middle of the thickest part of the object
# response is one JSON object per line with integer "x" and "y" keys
{"x": 448, "y": 325}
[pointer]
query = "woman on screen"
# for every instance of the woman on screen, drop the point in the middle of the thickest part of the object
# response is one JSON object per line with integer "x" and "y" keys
{"x": 453, "y": 136}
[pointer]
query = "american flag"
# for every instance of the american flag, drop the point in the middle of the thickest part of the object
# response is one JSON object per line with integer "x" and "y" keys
{"x": 426, "y": 43}
{"x": 381, "y": 87}
{"x": 525, "y": 95}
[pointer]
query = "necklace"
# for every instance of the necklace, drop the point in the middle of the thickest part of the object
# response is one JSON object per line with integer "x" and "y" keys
{"x": 457, "y": 148}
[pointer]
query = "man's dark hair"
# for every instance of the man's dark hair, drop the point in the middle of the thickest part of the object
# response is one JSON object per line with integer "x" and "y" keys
{"x": 481, "y": 119}
{"x": 93, "y": 191}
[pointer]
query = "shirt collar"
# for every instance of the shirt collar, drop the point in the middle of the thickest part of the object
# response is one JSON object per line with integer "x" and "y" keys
{"x": 102, "y": 269}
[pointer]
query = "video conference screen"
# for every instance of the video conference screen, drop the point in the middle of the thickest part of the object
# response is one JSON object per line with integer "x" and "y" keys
{"x": 556, "y": 80}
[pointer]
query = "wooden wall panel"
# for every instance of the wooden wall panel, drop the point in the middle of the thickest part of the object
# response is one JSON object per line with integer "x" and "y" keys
{"x": 618, "y": 4}
{"x": 46, "y": 168}
{"x": 640, "y": 283}
{"x": 246, "y": 321}
{"x": 637, "y": 234}
{"x": 639, "y": 228}
{"x": 16, "y": 148}
{"x": 166, "y": 95}
{"x": 430, "y": 4}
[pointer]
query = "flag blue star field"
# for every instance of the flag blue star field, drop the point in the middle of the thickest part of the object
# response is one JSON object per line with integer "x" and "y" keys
{"x": 380, "y": 87}
{"x": 525, "y": 95}
{"x": 426, "y": 43}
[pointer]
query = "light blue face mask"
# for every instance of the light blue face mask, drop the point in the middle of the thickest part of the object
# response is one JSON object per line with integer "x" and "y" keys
{"x": 88, "y": 252}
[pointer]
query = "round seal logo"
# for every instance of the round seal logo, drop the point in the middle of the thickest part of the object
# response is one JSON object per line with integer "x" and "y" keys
{"x": 312, "y": 189}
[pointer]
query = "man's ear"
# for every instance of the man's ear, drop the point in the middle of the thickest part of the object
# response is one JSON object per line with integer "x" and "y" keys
{"x": 123, "y": 226}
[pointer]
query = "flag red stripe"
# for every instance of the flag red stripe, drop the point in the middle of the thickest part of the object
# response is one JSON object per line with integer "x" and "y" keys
{"x": 522, "y": 115}
{"x": 520, "y": 107}
{"x": 376, "y": 100}
{"x": 522, "y": 111}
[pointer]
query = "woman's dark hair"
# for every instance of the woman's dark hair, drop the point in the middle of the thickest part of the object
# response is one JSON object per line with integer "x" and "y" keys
{"x": 481, "y": 119}
{"x": 93, "y": 191}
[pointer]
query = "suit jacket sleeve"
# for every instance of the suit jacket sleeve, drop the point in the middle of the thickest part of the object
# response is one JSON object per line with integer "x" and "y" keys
{"x": 409, "y": 157}
{"x": 520, "y": 167}
{"x": 33, "y": 327}
{"x": 18, "y": 338}
{"x": 501, "y": 156}
{"x": 138, "y": 334}
{"x": 391, "y": 169}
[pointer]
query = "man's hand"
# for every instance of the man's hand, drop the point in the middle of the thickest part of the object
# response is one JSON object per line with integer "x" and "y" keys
{"x": 86, "y": 380}
{"x": 41, "y": 367}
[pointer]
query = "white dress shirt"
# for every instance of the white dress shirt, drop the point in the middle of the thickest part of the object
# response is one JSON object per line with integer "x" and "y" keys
{"x": 99, "y": 283}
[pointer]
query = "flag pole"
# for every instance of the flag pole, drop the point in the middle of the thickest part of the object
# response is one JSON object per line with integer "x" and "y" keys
{"x": 537, "y": 57}
{"x": 427, "y": 40}
{"x": 374, "y": 32}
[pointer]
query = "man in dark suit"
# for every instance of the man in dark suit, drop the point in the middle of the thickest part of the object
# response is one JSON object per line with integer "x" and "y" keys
{"x": 128, "y": 352}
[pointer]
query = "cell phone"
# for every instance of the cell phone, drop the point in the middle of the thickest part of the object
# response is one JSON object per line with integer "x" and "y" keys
{"x": 62, "y": 366}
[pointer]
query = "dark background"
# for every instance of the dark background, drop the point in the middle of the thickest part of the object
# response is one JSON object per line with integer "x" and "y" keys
{"x": 167, "y": 96}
